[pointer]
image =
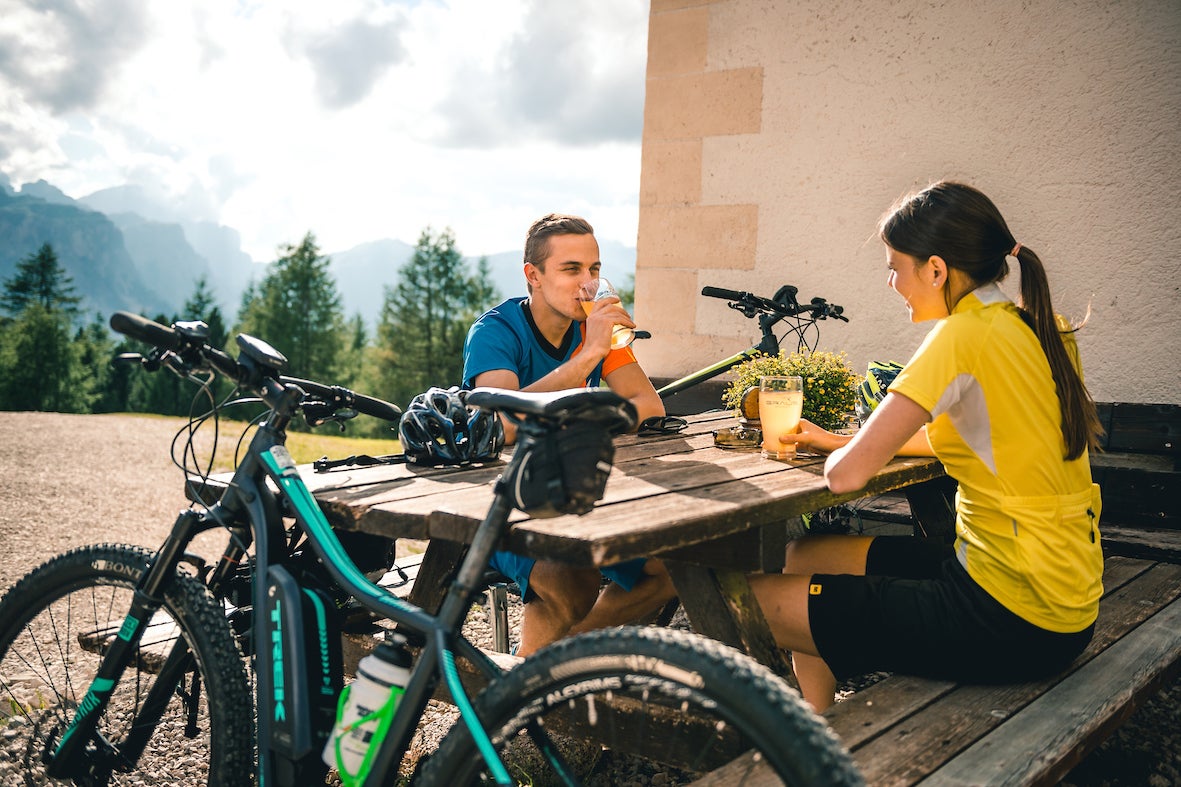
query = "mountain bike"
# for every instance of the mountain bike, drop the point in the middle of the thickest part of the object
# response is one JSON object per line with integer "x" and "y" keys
{"x": 801, "y": 319}
{"x": 119, "y": 665}
{"x": 783, "y": 307}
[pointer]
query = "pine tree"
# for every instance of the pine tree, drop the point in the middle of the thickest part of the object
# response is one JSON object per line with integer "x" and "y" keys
{"x": 40, "y": 280}
{"x": 41, "y": 367}
{"x": 201, "y": 305}
{"x": 425, "y": 317}
{"x": 96, "y": 351}
{"x": 296, "y": 309}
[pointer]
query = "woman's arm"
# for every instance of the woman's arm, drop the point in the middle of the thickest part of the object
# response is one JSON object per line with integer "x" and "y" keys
{"x": 896, "y": 428}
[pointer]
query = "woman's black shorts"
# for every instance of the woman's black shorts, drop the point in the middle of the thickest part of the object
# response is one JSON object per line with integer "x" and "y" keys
{"x": 918, "y": 612}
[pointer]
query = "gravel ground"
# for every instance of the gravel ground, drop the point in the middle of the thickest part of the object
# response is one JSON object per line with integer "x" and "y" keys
{"x": 70, "y": 480}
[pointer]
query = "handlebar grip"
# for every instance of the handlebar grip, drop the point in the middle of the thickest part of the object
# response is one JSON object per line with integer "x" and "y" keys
{"x": 378, "y": 408}
{"x": 145, "y": 330}
{"x": 718, "y": 292}
{"x": 367, "y": 405}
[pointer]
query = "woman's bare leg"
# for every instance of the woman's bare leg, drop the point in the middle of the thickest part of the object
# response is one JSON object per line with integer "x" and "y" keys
{"x": 784, "y": 601}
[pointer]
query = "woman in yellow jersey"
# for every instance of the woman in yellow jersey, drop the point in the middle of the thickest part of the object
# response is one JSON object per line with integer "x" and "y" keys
{"x": 993, "y": 393}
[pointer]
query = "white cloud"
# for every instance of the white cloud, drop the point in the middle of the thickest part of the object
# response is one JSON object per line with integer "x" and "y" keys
{"x": 356, "y": 119}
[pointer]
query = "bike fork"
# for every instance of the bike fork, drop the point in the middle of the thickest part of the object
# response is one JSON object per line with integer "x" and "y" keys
{"x": 149, "y": 597}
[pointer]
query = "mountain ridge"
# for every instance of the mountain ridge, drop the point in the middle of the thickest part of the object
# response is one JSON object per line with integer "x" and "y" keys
{"x": 127, "y": 249}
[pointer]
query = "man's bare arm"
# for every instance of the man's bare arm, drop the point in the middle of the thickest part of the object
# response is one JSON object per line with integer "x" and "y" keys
{"x": 632, "y": 384}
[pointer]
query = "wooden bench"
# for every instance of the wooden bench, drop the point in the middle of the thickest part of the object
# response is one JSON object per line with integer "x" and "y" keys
{"x": 905, "y": 730}
{"x": 1139, "y": 471}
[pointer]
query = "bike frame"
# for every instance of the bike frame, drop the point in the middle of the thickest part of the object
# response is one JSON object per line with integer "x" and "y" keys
{"x": 767, "y": 345}
{"x": 249, "y": 499}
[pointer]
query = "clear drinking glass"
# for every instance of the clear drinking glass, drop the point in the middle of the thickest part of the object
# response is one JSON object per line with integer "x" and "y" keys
{"x": 781, "y": 401}
{"x": 597, "y": 289}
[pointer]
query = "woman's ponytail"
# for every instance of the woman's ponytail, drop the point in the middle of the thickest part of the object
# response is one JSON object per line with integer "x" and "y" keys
{"x": 1080, "y": 421}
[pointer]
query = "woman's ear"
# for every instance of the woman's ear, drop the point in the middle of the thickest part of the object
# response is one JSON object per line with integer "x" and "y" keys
{"x": 937, "y": 270}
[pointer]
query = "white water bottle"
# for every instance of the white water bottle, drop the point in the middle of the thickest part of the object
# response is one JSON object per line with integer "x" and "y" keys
{"x": 365, "y": 709}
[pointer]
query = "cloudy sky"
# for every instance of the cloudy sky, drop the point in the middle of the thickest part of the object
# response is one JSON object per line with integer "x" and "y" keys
{"x": 355, "y": 119}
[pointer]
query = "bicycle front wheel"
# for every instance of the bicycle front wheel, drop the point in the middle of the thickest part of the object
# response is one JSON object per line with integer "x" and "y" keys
{"x": 611, "y": 705}
{"x": 55, "y": 626}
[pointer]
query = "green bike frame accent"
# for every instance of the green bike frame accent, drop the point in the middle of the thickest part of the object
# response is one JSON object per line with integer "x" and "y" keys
{"x": 100, "y": 689}
{"x": 282, "y": 468}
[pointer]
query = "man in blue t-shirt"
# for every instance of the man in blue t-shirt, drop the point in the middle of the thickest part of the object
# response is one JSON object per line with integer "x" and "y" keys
{"x": 546, "y": 342}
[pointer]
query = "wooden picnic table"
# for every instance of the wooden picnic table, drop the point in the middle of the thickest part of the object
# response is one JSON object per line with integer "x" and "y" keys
{"x": 711, "y": 514}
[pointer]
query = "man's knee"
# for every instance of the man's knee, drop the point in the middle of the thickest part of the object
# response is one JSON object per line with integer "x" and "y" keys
{"x": 566, "y": 593}
{"x": 657, "y": 575}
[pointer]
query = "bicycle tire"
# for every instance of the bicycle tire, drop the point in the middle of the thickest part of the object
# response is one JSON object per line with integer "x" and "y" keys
{"x": 53, "y": 624}
{"x": 698, "y": 703}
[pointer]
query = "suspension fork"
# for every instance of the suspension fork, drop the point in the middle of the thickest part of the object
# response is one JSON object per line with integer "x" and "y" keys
{"x": 179, "y": 662}
{"x": 147, "y": 600}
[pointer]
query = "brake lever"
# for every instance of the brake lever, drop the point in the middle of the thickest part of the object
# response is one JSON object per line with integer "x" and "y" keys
{"x": 318, "y": 413}
{"x": 748, "y": 309}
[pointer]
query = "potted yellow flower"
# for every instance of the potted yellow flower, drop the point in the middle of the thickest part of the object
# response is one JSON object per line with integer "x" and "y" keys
{"x": 830, "y": 384}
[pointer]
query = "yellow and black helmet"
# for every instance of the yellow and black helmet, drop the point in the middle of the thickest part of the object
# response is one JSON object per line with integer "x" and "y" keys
{"x": 872, "y": 391}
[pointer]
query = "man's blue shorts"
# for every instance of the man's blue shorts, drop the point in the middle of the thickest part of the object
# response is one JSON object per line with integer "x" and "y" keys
{"x": 518, "y": 568}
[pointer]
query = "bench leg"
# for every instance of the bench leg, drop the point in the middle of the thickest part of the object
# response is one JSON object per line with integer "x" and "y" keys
{"x": 496, "y": 599}
{"x": 721, "y": 605}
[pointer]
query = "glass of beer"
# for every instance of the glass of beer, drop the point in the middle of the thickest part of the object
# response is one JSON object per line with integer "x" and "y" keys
{"x": 781, "y": 401}
{"x": 595, "y": 290}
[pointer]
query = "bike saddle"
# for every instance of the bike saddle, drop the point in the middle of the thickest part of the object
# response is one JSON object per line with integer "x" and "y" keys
{"x": 591, "y": 404}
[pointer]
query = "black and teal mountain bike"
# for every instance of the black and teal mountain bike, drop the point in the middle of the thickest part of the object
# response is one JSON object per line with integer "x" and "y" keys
{"x": 120, "y": 665}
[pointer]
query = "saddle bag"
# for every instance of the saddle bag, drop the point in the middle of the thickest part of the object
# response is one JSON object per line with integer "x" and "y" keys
{"x": 563, "y": 471}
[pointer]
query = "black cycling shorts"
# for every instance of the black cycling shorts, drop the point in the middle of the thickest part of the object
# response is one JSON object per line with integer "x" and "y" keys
{"x": 918, "y": 612}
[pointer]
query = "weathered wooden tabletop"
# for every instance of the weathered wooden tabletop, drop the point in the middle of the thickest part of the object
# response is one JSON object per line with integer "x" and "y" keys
{"x": 666, "y": 495}
{"x": 711, "y": 514}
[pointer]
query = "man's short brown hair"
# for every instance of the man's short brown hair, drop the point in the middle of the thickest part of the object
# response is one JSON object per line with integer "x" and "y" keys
{"x": 537, "y": 239}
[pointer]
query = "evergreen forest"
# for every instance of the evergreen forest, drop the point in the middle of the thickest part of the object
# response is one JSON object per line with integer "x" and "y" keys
{"x": 55, "y": 358}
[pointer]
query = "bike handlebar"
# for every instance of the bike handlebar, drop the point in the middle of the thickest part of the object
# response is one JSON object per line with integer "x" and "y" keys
{"x": 784, "y": 304}
{"x": 343, "y": 397}
{"x": 145, "y": 330}
{"x": 730, "y": 295}
{"x": 188, "y": 348}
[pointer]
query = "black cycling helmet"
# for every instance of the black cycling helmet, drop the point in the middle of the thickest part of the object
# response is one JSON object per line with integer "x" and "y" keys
{"x": 872, "y": 391}
{"x": 438, "y": 428}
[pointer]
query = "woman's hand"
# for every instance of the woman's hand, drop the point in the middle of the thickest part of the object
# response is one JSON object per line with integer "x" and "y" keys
{"x": 895, "y": 428}
{"x": 812, "y": 438}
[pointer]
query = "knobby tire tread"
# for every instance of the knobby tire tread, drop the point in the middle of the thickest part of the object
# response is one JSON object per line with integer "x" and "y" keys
{"x": 223, "y": 677}
{"x": 805, "y": 751}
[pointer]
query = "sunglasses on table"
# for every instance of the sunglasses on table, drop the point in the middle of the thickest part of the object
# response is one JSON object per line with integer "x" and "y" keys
{"x": 661, "y": 424}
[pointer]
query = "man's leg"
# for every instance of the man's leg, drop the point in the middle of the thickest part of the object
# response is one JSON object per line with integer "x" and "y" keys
{"x": 616, "y": 606}
{"x": 560, "y": 596}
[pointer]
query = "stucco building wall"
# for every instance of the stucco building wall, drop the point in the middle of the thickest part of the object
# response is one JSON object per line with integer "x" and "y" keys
{"x": 776, "y": 133}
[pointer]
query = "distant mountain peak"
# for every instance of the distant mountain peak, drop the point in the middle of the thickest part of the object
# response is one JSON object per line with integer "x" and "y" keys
{"x": 46, "y": 191}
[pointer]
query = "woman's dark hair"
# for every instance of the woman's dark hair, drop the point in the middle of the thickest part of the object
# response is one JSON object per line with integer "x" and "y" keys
{"x": 962, "y": 226}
